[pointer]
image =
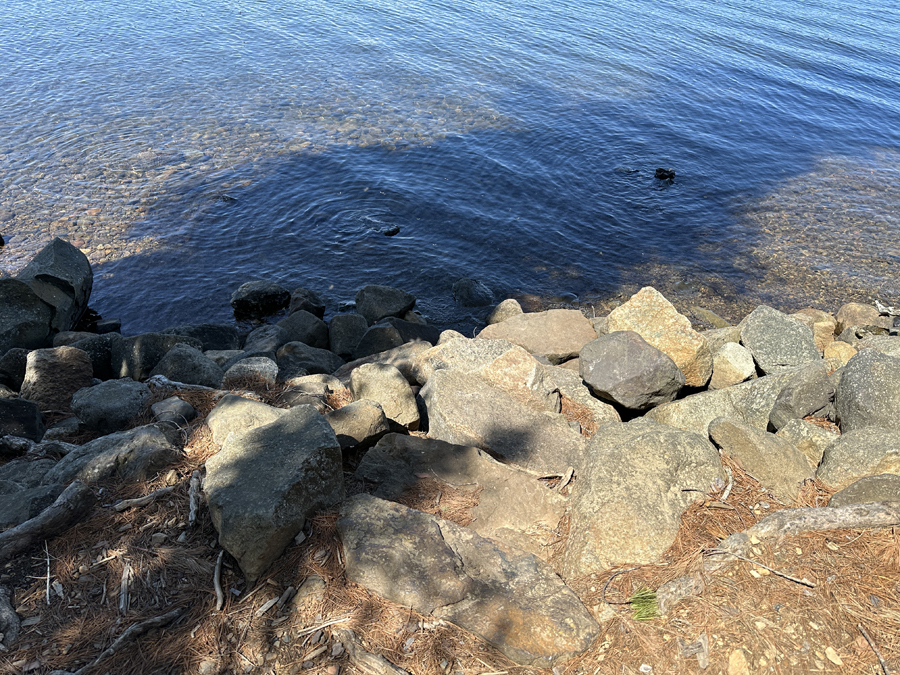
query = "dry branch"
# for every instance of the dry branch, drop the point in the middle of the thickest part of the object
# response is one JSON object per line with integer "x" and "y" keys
{"x": 217, "y": 582}
{"x": 194, "y": 497}
{"x": 70, "y": 507}
{"x": 371, "y": 664}
{"x": 142, "y": 501}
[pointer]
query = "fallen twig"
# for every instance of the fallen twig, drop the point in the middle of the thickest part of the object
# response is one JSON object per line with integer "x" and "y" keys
{"x": 730, "y": 485}
{"x": 124, "y": 600}
{"x": 309, "y": 631}
{"x": 371, "y": 664}
{"x": 142, "y": 501}
{"x": 47, "y": 552}
{"x": 718, "y": 551}
{"x": 217, "y": 582}
{"x": 194, "y": 495}
{"x": 131, "y": 634}
{"x": 865, "y": 634}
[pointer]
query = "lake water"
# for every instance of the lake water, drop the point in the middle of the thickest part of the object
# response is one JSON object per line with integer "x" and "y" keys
{"x": 188, "y": 146}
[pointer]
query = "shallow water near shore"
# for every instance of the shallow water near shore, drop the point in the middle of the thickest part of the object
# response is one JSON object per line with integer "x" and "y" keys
{"x": 188, "y": 147}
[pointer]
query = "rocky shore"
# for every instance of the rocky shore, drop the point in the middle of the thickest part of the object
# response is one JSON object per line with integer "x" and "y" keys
{"x": 580, "y": 443}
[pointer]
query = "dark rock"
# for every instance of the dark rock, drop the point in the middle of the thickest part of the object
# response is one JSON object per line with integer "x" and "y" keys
{"x": 260, "y": 368}
{"x": 70, "y": 337}
{"x": 22, "y": 418}
{"x": 175, "y": 410}
{"x": 24, "y": 317}
{"x": 99, "y": 348}
{"x": 808, "y": 392}
{"x": 411, "y": 331}
{"x": 17, "y": 506}
{"x": 359, "y": 424}
{"x": 664, "y": 174}
{"x": 868, "y": 393}
{"x": 344, "y": 333}
{"x": 137, "y": 356}
{"x": 777, "y": 341}
{"x": 301, "y": 326}
{"x": 12, "y": 368}
{"x": 296, "y": 356}
{"x": 111, "y": 405}
{"x": 377, "y": 339}
{"x": 377, "y": 302}
{"x": 53, "y": 375}
{"x": 268, "y": 338}
{"x": 305, "y": 299}
{"x": 472, "y": 293}
{"x": 622, "y": 368}
{"x": 61, "y": 276}
{"x": 188, "y": 365}
{"x": 256, "y": 299}
{"x": 211, "y": 335}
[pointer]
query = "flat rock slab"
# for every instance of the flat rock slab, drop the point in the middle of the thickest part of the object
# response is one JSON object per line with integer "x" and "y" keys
{"x": 402, "y": 357}
{"x": 857, "y": 454}
{"x": 748, "y": 402}
{"x": 507, "y": 597}
{"x": 235, "y": 414}
{"x": 466, "y": 410}
{"x": 513, "y": 507}
{"x": 557, "y": 334}
{"x": 264, "y": 483}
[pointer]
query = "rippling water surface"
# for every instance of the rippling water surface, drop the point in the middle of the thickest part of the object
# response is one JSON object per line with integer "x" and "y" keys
{"x": 190, "y": 146}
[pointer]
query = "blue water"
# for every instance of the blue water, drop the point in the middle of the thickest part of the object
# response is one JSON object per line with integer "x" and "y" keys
{"x": 190, "y": 146}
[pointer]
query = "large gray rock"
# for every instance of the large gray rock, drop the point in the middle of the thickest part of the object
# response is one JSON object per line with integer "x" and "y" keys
{"x": 808, "y": 438}
{"x": 53, "y": 375}
{"x": 111, "y": 405}
{"x": 471, "y": 293}
{"x": 377, "y": 339}
{"x": 627, "y": 503}
{"x": 267, "y": 338}
{"x": 70, "y": 337}
{"x": 344, "y": 333}
{"x": 719, "y": 337}
{"x": 61, "y": 276}
{"x": 777, "y": 341}
{"x": 212, "y": 336}
{"x": 99, "y": 348}
{"x": 412, "y": 331}
{"x": 24, "y": 317}
{"x": 359, "y": 424}
{"x": 307, "y": 300}
{"x": 302, "y": 326}
{"x": 868, "y": 393}
{"x": 17, "y": 506}
{"x": 235, "y": 414}
{"x": 264, "y": 483}
{"x": 260, "y": 369}
{"x": 557, "y": 334}
{"x": 507, "y": 597}
{"x": 377, "y": 302}
{"x": 402, "y": 357}
{"x": 137, "y": 454}
{"x": 385, "y": 385}
{"x": 656, "y": 320}
{"x": 886, "y": 344}
{"x": 857, "y": 454}
{"x": 749, "y": 402}
{"x": 137, "y": 356}
{"x": 296, "y": 356}
{"x": 21, "y": 418}
{"x": 776, "y": 464}
{"x": 12, "y": 368}
{"x": 466, "y": 410}
{"x": 256, "y": 299}
{"x": 25, "y": 473}
{"x": 174, "y": 411}
{"x": 808, "y": 392}
{"x": 513, "y": 506}
{"x": 732, "y": 364}
{"x": 622, "y": 368}
{"x": 881, "y": 488}
{"x": 185, "y": 364}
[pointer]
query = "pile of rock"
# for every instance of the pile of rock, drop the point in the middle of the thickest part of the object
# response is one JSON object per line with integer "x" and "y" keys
{"x": 533, "y": 396}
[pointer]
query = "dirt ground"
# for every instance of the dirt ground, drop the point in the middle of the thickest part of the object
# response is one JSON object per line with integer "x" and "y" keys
{"x": 81, "y": 591}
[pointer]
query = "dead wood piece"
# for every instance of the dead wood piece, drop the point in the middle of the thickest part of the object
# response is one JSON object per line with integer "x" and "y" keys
{"x": 850, "y": 517}
{"x": 9, "y": 620}
{"x": 369, "y": 663}
{"x": 865, "y": 634}
{"x": 131, "y": 634}
{"x": 194, "y": 497}
{"x": 142, "y": 501}
{"x": 75, "y": 502}
{"x": 217, "y": 582}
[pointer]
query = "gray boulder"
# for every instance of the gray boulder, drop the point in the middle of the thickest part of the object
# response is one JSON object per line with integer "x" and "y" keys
{"x": 302, "y": 326}
{"x": 808, "y": 438}
{"x": 466, "y": 410}
{"x": 242, "y": 355}
{"x": 859, "y": 453}
{"x": 24, "y": 317}
{"x": 234, "y": 414}
{"x": 858, "y": 314}
{"x": 264, "y": 483}
{"x": 808, "y": 392}
{"x": 402, "y": 357}
{"x": 137, "y": 356}
{"x": 70, "y": 337}
{"x": 881, "y": 488}
{"x": 627, "y": 503}
{"x": 777, "y": 341}
{"x": 256, "y": 299}
{"x": 513, "y": 506}
{"x": 776, "y": 464}
{"x": 221, "y": 356}
{"x": 868, "y": 392}
{"x": 212, "y": 336}
{"x": 173, "y": 410}
{"x": 855, "y": 335}
{"x": 377, "y": 302}
{"x": 267, "y": 338}
{"x": 12, "y": 368}
{"x": 622, "y": 368}
{"x": 732, "y": 364}
{"x": 557, "y": 334}
{"x": 718, "y": 337}
{"x": 111, "y": 405}
{"x": 100, "y": 348}
{"x": 359, "y": 424}
{"x": 19, "y": 505}
{"x": 21, "y": 418}
{"x": 570, "y": 386}
{"x": 259, "y": 368}
{"x": 137, "y": 454}
{"x": 307, "y": 300}
{"x": 437, "y": 567}
{"x": 378, "y": 338}
{"x": 61, "y": 276}
{"x": 385, "y": 385}
{"x": 344, "y": 333}
{"x": 472, "y": 293}
{"x": 411, "y": 331}
{"x": 188, "y": 365}
{"x": 885, "y": 344}
{"x": 53, "y": 375}
{"x": 505, "y": 310}
{"x": 296, "y": 356}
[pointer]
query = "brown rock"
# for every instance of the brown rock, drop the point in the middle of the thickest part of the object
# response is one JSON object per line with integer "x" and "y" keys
{"x": 52, "y": 376}
{"x": 858, "y": 314}
{"x": 557, "y": 334}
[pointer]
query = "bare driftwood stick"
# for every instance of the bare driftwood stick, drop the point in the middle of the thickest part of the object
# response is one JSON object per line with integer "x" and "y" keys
{"x": 142, "y": 501}
{"x": 369, "y": 663}
{"x": 75, "y": 502}
{"x": 217, "y": 582}
{"x": 865, "y": 634}
{"x": 194, "y": 495}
